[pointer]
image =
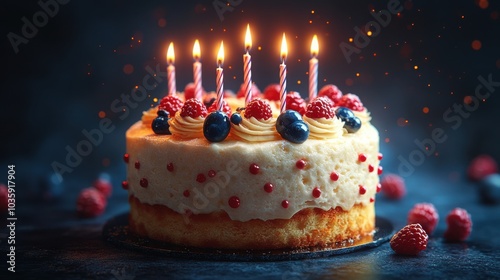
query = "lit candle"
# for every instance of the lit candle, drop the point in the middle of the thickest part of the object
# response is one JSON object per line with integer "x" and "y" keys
{"x": 284, "y": 53}
{"x": 171, "y": 70}
{"x": 247, "y": 69}
{"x": 220, "y": 77}
{"x": 197, "y": 70}
{"x": 313, "y": 69}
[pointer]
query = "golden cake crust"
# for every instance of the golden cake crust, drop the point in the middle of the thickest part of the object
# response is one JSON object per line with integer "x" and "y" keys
{"x": 310, "y": 227}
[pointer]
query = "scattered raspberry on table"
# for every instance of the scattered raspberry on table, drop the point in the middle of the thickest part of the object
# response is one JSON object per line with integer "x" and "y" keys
{"x": 459, "y": 225}
{"x": 410, "y": 240}
{"x": 393, "y": 186}
{"x": 90, "y": 203}
{"x": 424, "y": 214}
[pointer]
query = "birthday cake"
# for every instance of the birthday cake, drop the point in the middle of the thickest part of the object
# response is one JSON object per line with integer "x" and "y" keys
{"x": 249, "y": 176}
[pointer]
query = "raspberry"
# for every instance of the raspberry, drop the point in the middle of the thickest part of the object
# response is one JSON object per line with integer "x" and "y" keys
{"x": 295, "y": 102}
{"x": 255, "y": 92}
{"x": 225, "y": 108}
{"x": 481, "y": 166}
{"x": 393, "y": 186}
{"x": 350, "y": 101}
{"x": 90, "y": 203}
{"x": 459, "y": 225}
{"x": 3, "y": 198}
{"x": 103, "y": 186}
{"x": 171, "y": 104}
{"x": 189, "y": 91}
{"x": 424, "y": 214}
{"x": 259, "y": 109}
{"x": 320, "y": 107}
{"x": 272, "y": 92}
{"x": 332, "y": 92}
{"x": 410, "y": 240}
{"x": 193, "y": 108}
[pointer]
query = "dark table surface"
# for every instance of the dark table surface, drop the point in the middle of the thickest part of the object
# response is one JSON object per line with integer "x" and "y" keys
{"x": 52, "y": 241}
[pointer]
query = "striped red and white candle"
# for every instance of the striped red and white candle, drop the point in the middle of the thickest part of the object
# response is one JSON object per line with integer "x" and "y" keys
{"x": 197, "y": 70}
{"x": 247, "y": 67}
{"x": 284, "y": 53}
{"x": 220, "y": 77}
{"x": 171, "y": 70}
{"x": 313, "y": 69}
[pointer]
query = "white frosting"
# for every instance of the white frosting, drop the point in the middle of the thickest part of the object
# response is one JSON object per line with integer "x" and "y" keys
{"x": 364, "y": 116}
{"x": 323, "y": 128}
{"x": 254, "y": 130}
{"x": 231, "y": 160}
{"x": 186, "y": 127}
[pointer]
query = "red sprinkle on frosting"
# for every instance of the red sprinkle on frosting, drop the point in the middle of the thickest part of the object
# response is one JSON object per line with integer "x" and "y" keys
{"x": 234, "y": 202}
{"x": 362, "y": 190}
{"x": 362, "y": 157}
{"x": 170, "y": 167}
{"x": 268, "y": 187}
{"x": 372, "y": 199}
{"x": 380, "y": 156}
{"x": 380, "y": 170}
{"x": 285, "y": 204}
{"x": 316, "y": 192}
{"x": 212, "y": 173}
{"x": 334, "y": 176}
{"x": 201, "y": 178}
{"x": 370, "y": 168}
{"x": 126, "y": 157}
{"x": 379, "y": 187}
{"x": 144, "y": 182}
{"x": 301, "y": 164}
{"x": 125, "y": 185}
{"x": 186, "y": 193}
{"x": 254, "y": 168}
{"x": 137, "y": 165}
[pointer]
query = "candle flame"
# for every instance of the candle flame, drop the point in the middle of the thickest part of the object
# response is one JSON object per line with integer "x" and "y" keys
{"x": 248, "y": 39}
{"x": 220, "y": 55}
{"x": 314, "y": 46}
{"x": 196, "y": 50}
{"x": 170, "y": 54}
{"x": 284, "y": 48}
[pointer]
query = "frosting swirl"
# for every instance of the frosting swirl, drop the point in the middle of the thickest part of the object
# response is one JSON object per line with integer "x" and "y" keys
{"x": 323, "y": 128}
{"x": 149, "y": 116}
{"x": 364, "y": 115}
{"x": 254, "y": 130}
{"x": 186, "y": 127}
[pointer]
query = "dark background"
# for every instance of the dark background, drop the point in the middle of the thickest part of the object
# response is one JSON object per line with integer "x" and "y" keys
{"x": 66, "y": 77}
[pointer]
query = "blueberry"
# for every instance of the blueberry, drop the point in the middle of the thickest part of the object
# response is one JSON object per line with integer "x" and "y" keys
{"x": 236, "y": 118}
{"x": 296, "y": 132}
{"x": 216, "y": 126}
{"x": 344, "y": 113}
{"x": 286, "y": 119}
{"x": 160, "y": 125}
{"x": 162, "y": 113}
{"x": 489, "y": 188}
{"x": 352, "y": 124}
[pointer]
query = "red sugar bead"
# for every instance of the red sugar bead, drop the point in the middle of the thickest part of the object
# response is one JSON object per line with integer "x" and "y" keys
{"x": 186, "y": 193}
{"x": 285, "y": 204}
{"x": 380, "y": 156}
{"x": 362, "y": 157}
{"x": 126, "y": 157}
{"x": 268, "y": 187}
{"x": 170, "y": 167}
{"x": 137, "y": 165}
{"x": 254, "y": 168}
{"x": 362, "y": 190}
{"x": 301, "y": 164}
{"x": 316, "y": 192}
{"x": 370, "y": 168}
{"x": 380, "y": 170}
{"x": 201, "y": 178}
{"x": 334, "y": 176}
{"x": 144, "y": 182}
{"x": 125, "y": 185}
{"x": 372, "y": 199}
{"x": 379, "y": 187}
{"x": 234, "y": 202}
{"x": 212, "y": 173}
